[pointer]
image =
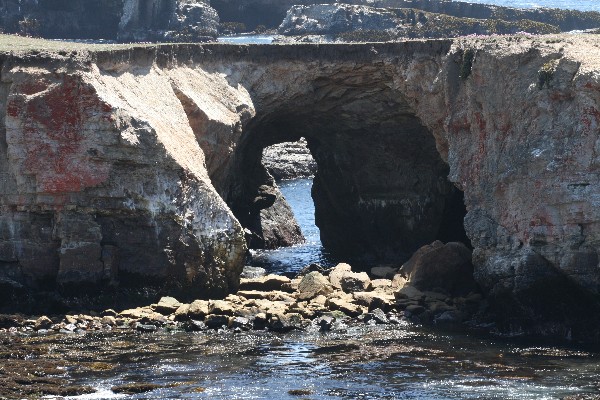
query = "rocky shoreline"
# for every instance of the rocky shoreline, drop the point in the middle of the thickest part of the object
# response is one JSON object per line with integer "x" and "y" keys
{"x": 316, "y": 297}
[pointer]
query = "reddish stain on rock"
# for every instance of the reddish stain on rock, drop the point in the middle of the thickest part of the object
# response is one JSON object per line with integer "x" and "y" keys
{"x": 54, "y": 125}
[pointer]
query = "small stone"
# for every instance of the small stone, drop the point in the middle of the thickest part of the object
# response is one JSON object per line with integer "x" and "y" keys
{"x": 220, "y": 307}
{"x": 265, "y": 283}
{"x": 312, "y": 285}
{"x": 384, "y": 272}
{"x": 43, "y": 323}
{"x": 167, "y": 305}
{"x": 336, "y": 274}
{"x": 198, "y": 309}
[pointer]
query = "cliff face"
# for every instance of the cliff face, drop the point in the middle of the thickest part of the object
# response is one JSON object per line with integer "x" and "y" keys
{"x": 140, "y": 163}
{"x": 123, "y": 20}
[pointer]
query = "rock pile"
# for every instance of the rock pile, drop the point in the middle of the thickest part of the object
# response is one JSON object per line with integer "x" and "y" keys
{"x": 314, "y": 300}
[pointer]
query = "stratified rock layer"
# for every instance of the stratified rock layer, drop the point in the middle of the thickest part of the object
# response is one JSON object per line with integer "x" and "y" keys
{"x": 127, "y": 163}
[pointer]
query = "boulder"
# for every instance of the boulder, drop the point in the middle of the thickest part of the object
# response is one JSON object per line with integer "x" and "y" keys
{"x": 441, "y": 266}
{"x": 312, "y": 285}
{"x": 198, "y": 309}
{"x": 220, "y": 307}
{"x": 42, "y": 323}
{"x": 167, "y": 305}
{"x": 337, "y": 304}
{"x": 336, "y": 274}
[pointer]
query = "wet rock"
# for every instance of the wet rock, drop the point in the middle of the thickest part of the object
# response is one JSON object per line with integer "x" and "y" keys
{"x": 242, "y": 323}
{"x": 167, "y": 305}
{"x": 250, "y": 272}
{"x": 312, "y": 268}
{"x": 286, "y": 322}
{"x": 451, "y": 317}
{"x": 325, "y": 322}
{"x": 194, "y": 326}
{"x": 336, "y": 274}
{"x": 213, "y": 321}
{"x": 260, "y": 321}
{"x": 265, "y": 283}
{"x": 135, "y": 388}
{"x": 446, "y": 266}
{"x": 140, "y": 327}
{"x": 384, "y": 272}
{"x": 313, "y": 285}
{"x": 355, "y": 282}
{"x": 377, "y": 316}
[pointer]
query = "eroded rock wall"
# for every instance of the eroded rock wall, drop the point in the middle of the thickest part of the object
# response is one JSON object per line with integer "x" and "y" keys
{"x": 107, "y": 152}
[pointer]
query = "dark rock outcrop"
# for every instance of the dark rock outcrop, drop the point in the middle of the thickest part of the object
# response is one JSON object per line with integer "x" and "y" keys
{"x": 123, "y": 20}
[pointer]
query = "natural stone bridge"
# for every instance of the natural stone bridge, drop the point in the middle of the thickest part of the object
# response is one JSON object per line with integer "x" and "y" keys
{"x": 142, "y": 166}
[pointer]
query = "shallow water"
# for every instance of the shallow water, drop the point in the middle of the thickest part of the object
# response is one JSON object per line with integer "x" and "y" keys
{"x": 358, "y": 362}
{"x": 292, "y": 259}
{"x": 354, "y": 361}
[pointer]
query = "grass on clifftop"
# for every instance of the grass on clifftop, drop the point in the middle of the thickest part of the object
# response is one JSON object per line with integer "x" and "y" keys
{"x": 21, "y": 44}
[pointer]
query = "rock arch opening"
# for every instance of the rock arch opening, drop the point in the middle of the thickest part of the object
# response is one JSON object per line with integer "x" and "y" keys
{"x": 381, "y": 190}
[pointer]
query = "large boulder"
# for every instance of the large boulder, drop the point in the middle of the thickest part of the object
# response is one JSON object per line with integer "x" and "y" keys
{"x": 441, "y": 266}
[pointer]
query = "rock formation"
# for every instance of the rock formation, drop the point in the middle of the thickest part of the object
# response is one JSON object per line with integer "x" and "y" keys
{"x": 271, "y": 13}
{"x": 123, "y": 20}
{"x": 362, "y": 23}
{"x": 137, "y": 164}
{"x": 289, "y": 160}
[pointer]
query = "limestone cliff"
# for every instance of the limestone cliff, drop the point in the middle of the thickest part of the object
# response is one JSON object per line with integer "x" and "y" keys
{"x": 140, "y": 162}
